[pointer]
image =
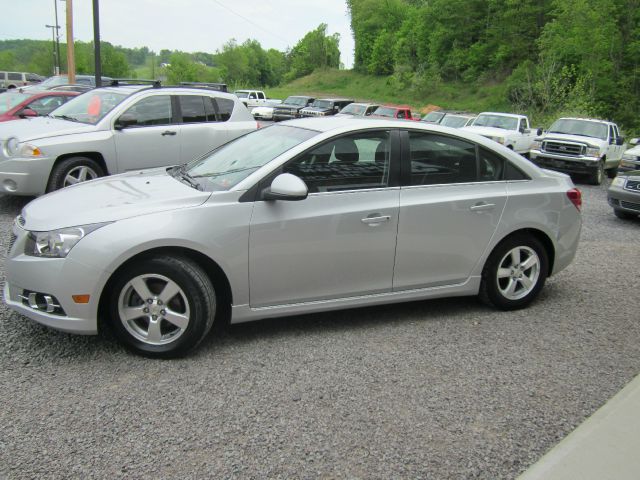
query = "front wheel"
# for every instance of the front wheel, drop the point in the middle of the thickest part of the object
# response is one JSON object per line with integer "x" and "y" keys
{"x": 515, "y": 273}
{"x": 597, "y": 175}
{"x": 162, "y": 306}
{"x": 73, "y": 170}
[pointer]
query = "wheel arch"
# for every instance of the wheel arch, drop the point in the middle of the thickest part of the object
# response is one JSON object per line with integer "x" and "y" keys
{"x": 96, "y": 156}
{"x": 539, "y": 235}
{"x": 216, "y": 274}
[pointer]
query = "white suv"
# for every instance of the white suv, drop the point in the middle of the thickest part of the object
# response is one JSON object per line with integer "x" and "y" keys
{"x": 117, "y": 129}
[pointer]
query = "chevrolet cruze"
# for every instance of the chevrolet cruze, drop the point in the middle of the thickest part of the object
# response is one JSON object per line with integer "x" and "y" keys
{"x": 304, "y": 216}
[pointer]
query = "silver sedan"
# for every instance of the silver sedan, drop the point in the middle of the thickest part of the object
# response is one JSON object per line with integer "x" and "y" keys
{"x": 304, "y": 216}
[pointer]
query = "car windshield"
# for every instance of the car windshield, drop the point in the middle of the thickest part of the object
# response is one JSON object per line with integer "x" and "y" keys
{"x": 322, "y": 104}
{"x": 90, "y": 107}
{"x": 496, "y": 121}
{"x": 296, "y": 101}
{"x": 385, "y": 111}
{"x": 241, "y": 94}
{"x": 8, "y": 100}
{"x": 454, "y": 121}
{"x": 353, "y": 109}
{"x": 233, "y": 162}
{"x": 584, "y": 128}
{"x": 433, "y": 117}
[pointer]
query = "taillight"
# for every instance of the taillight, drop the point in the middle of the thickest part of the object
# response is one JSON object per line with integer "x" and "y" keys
{"x": 575, "y": 196}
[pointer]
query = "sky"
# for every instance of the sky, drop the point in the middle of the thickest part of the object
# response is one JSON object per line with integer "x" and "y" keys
{"x": 187, "y": 25}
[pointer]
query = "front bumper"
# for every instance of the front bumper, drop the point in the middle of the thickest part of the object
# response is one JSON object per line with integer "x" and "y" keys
{"x": 59, "y": 278}
{"x": 25, "y": 176}
{"x": 625, "y": 200}
{"x": 281, "y": 116}
{"x": 564, "y": 163}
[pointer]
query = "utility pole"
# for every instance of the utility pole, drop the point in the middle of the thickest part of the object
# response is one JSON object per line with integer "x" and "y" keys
{"x": 55, "y": 7}
{"x": 96, "y": 42}
{"x": 71, "y": 59}
{"x": 56, "y": 56}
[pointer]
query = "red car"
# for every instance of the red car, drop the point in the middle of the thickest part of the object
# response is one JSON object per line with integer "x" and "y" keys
{"x": 389, "y": 111}
{"x": 15, "y": 104}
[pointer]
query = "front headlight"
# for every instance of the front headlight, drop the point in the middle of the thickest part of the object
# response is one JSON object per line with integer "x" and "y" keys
{"x": 618, "y": 182}
{"x": 11, "y": 146}
{"x": 500, "y": 140}
{"x": 536, "y": 144}
{"x": 57, "y": 243}
{"x": 593, "y": 151}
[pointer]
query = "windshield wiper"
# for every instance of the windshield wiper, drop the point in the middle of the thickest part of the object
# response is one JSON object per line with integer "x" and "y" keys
{"x": 209, "y": 175}
{"x": 66, "y": 117}
{"x": 181, "y": 171}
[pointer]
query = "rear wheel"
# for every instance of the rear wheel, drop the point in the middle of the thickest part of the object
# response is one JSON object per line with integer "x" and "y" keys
{"x": 73, "y": 170}
{"x": 515, "y": 273}
{"x": 162, "y": 306}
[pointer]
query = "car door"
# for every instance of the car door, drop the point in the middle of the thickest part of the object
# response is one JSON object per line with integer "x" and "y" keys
{"x": 200, "y": 132}
{"x": 451, "y": 202}
{"x": 152, "y": 137}
{"x": 339, "y": 241}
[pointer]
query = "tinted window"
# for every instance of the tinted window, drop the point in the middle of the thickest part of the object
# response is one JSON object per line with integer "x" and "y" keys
{"x": 192, "y": 107}
{"x": 154, "y": 110}
{"x": 15, "y": 76}
{"x": 352, "y": 162}
{"x": 209, "y": 109}
{"x": 491, "y": 166}
{"x": 436, "y": 159}
{"x": 225, "y": 108}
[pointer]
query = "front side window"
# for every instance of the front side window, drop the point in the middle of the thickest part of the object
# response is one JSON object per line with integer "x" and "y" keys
{"x": 352, "y": 162}
{"x": 90, "y": 107}
{"x": 154, "y": 110}
{"x": 192, "y": 107}
{"x": 437, "y": 159}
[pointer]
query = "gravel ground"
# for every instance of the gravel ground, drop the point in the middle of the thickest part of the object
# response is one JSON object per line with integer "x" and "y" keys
{"x": 438, "y": 389}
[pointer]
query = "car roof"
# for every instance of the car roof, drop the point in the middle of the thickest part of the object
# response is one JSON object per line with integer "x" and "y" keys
{"x": 131, "y": 89}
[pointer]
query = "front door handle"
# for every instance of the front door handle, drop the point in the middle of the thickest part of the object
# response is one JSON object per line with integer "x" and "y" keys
{"x": 377, "y": 220}
{"x": 479, "y": 207}
{"x": 168, "y": 132}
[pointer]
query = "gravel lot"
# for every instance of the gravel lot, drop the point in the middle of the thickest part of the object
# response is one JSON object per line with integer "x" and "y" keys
{"x": 439, "y": 389}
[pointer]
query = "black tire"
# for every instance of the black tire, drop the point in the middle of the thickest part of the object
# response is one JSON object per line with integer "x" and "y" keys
{"x": 612, "y": 172}
{"x": 65, "y": 169}
{"x": 597, "y": 175}
{"x": 621, "y": 214}
{"x": 492, "y": 286}
{"x": 194, "y": 303}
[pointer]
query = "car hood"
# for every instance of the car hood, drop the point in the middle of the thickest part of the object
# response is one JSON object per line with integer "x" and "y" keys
{"x": 489, "y": 131}
{"x": 635, "y": 151}
{"x": 595, "y": 142}
{"x": 316, "y": 109}
{"x": 288, "y": 105}
{"x": 42, "y": 127}
{"x": 631, "y": 174}
{"x": 109, "y": 199}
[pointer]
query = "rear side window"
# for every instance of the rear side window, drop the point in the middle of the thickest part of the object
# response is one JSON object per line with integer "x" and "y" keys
{"x": 193, "y": 110}
{"x": 155, "y": 110}
{"x": 225, "y": 108}
{"x": 15, "y": 76}
{"x": 437, "y": 159}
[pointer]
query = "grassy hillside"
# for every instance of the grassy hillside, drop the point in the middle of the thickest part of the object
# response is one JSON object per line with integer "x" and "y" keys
{"x": 347, "y": 83}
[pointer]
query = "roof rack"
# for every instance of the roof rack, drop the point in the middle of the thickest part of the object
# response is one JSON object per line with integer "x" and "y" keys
{"x": 220, "y": 87}
{"x": 116, "y": 82}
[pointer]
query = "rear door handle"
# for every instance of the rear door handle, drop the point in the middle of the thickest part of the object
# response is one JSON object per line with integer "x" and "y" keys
{"x": 479, "y": 207}
{"x": 377, "y": 220}
{"x": 168, "y": 132}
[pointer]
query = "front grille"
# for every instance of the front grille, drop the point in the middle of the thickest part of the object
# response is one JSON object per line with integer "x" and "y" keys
{"x": 633, "y": 185}
{"x": 630, "y": 205}
{"x": 12, "y": 241}
{"x": 563, "y": 148}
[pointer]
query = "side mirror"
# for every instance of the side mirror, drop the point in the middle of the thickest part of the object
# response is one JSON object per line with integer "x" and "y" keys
{"x": 125, "y": 120}
{"x": 620, "y": 141}
{"x": 539, "y": 132}
{"x": 27, "y": 112}
{"x": 286, "y": 187}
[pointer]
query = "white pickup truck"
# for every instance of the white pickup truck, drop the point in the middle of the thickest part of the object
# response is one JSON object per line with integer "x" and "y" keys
{"x": 255, "y": 98}
{"x": 581, "y": 146}
{"x": 511, "y": 130}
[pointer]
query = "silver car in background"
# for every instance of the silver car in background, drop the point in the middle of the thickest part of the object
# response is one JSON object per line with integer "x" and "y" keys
{"x": 309, "y": 215}
{"x": 116, "y": 129}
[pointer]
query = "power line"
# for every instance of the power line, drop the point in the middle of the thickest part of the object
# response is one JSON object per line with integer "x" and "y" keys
{"x": 252, "y": 22}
